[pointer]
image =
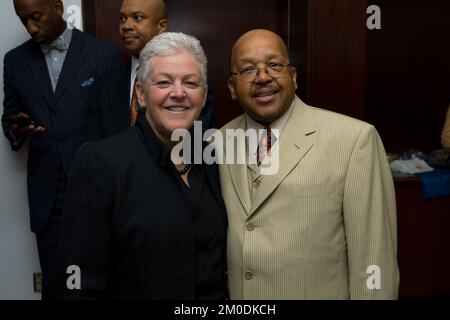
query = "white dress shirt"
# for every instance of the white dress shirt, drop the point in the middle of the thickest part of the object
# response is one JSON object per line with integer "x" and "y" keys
{"x": 55, "y": 57}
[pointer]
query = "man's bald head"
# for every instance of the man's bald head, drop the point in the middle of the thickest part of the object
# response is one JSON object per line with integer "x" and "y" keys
{"x": 25, "y": 2}
{"x": 42, "y": 18}
{"x": 254, "y": 38}
{"x": 160, "y": 9}
{"x": 140, "y": 21}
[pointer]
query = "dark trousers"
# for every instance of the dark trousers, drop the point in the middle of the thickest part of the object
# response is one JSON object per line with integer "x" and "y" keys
{"x": 47, "y": 242}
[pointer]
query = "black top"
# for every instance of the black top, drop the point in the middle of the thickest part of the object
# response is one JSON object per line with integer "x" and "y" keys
{"x": 209, "y": 234}
{"x": 207, "y": 221}
{"x": 134, "y": 231}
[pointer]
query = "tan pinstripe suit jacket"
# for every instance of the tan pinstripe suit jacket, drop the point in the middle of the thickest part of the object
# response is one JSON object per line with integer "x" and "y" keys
{"x": 314, "y": 228}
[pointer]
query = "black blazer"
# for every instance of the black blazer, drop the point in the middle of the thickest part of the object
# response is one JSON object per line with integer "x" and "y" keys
{"x": 109, "y": 106}
{"x": 28, "y": 89}
{"x": 125, "y": 223}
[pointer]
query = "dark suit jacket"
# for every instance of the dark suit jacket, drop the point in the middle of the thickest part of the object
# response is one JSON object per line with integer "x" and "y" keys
{"x": 28, "y": 89}
{"x": 126, "y": 224}
{"x": 109, "y": 106}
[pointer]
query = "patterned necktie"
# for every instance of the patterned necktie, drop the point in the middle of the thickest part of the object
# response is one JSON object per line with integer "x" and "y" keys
{"x": 264, "y": 146}
{"x": 134, "y": 106}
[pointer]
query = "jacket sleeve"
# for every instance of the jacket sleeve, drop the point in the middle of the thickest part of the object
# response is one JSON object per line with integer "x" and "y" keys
{"x": 85, "y": 234}
{"x": 370, "y": 221}
{"x": 11, "y": 105}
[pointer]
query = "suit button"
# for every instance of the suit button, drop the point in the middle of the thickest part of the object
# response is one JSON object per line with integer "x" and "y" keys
{"x": 248, "y": 275}
{"x": 250, "y": 227}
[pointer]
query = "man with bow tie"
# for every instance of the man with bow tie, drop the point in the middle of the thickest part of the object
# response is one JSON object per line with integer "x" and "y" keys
{"x": 46, "y": 81}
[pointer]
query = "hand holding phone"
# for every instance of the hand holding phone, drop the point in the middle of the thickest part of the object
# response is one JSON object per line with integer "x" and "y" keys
{"x": 22, "y": 126}
{"x": 20, "y": 120}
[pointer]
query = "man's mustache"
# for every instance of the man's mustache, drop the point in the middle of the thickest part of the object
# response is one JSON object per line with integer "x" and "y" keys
{"x": 130, "y": 35}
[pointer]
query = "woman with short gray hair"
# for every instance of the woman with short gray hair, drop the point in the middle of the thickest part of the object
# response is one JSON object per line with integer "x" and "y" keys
{"x": 138, "y": 224}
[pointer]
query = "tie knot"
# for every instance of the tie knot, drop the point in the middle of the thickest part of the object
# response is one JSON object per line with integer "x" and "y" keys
{"x": 265, "y": 145}
{"x": 267, "y": 137}
{"x": 57, "y": 44}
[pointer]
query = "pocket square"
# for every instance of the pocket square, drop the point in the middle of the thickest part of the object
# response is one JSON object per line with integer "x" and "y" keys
{"x": 88, "y": 83}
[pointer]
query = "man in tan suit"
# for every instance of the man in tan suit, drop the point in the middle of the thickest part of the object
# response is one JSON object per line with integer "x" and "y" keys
{"x": 324, "y": 225}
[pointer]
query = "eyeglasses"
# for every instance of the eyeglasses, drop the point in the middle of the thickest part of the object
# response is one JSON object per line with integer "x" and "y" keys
{"x": 272, "y": 69}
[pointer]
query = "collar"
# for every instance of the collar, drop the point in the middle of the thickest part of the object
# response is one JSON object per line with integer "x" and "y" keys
{"x": 65, "y": 38}
{"x": 277, "y": 127}
{"x": 134, "y": 64}
{"x": 279, "y": 124}
{"x": 158, "y": 151}
{"x": 134, "y": 67}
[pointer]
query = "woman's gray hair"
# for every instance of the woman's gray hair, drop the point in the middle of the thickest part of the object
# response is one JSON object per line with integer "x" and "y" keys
{"x": 168, "y": 44}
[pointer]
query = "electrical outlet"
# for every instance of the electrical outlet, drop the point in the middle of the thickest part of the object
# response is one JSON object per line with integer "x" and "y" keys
{"x": 37, "y": 282}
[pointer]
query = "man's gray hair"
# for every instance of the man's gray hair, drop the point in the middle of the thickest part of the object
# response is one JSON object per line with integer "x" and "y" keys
{"x": 168, "y": 44}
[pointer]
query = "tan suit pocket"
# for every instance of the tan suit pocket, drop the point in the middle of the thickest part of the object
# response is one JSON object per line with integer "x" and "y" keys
{"x": 314, "y": 189}
{"x": 319, "y": 208}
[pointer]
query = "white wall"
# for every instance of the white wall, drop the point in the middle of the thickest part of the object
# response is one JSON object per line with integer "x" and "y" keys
{"x": 18, "y": 250}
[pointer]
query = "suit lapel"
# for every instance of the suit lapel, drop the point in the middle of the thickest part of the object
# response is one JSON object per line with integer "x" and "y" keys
{"x": 39, "y": 71}
{"x": 238, "y": 173}
{"x": 74, "y": 60}
{"x": 294, "y": 146}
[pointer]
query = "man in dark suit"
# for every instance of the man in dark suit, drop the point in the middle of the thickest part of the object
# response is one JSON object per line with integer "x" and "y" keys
{"x": 112, "y": 106}
{"x": 46, "y": 82}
